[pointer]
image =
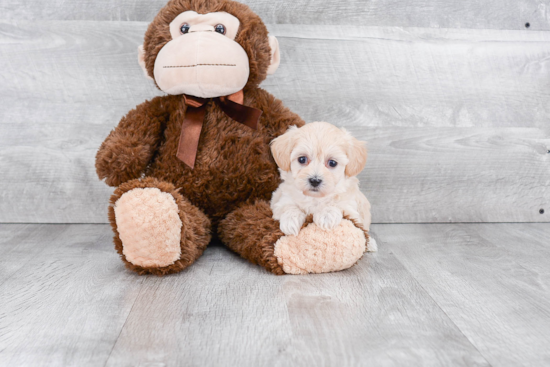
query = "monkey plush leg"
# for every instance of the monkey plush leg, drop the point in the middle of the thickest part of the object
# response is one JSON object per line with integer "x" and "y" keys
{"x": 251, "y": 232}
{"x": 157, "y": 231}
{"x": 255, "y": 235}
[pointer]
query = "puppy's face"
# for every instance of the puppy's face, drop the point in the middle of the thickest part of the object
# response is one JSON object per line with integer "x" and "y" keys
{"x": 319, "y": 156}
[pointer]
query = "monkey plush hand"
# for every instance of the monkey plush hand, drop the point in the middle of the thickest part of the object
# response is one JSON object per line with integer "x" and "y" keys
{"x": 197, "y": 162}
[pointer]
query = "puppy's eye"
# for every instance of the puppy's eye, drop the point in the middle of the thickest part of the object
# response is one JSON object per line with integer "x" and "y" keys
{"x": 220, "y": 28}
{"x": 185, "y": 28}
{"x": 302, "y": 160}
{"x": 332, "y": 163}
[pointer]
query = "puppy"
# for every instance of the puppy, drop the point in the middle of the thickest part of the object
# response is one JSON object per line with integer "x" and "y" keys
{"x": 318, "y": 164}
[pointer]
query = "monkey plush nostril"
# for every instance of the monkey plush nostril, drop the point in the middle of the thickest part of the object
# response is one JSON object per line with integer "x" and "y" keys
{"x": 314, "y": 181}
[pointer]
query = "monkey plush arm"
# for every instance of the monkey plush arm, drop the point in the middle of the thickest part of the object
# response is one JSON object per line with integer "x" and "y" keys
{"x": 129, "y": 148}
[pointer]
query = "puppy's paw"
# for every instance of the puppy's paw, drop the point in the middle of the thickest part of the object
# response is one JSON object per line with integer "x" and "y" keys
{"x": 372, "y": 246}
{"x": 291, "y": 221}
{"x": 328, "y": 218}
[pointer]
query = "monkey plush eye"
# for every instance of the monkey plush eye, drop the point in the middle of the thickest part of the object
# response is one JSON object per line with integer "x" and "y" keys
{"x": 302, "y": 160}
{"x": 220, "y": 28}
{"x": 184, "y": 28}
{"x": 332, "y": 163}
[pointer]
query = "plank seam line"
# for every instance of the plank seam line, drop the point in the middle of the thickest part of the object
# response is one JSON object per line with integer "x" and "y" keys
{"x": 125, "y": 321}
{"x": 435, "y": 302}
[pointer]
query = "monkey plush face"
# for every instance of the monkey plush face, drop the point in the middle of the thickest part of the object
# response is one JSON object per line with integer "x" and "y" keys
{"x": 202, "y": 59}
{"x": 210, "y": 54}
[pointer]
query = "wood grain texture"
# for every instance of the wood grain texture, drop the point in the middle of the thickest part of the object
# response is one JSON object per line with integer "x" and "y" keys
{"x": 412, "y": 175}
{"x": 71, "y": 72}
{"x": 456, "y": 174}
{"x": 228, "y": 312}
{"x": 456, "y": 120}
{"x": 87, "y": 73}
{"x": 494, "y": 14}
{"x": 492, "y": 280}
{"x": 414, "y": 77}
{"x": 49, "y": 174}
{"x": 18, "y": 244}
{"x": 68, "y": 301}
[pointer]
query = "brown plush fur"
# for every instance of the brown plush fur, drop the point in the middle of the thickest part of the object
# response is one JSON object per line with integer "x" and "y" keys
{"x": 252, "y": 34}
{"x": 234, "y": 165}
{"x": 195, "y": 230}
{"x": 234, "y": 174}
{"x": 251, "y": 232}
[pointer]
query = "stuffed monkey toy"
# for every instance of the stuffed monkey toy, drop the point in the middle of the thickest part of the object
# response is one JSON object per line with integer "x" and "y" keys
{"x": 196, "y": 163}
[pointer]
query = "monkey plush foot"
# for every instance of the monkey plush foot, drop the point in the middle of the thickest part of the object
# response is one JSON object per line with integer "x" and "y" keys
{"x": 157, "y": 231}
{"x": 316, "y": 250}
{"x": 149, "y": 227}
{"x": 255, "y": 235}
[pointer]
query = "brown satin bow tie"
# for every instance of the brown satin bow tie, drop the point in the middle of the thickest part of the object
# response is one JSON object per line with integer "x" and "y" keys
{"x": 191, "y": 127}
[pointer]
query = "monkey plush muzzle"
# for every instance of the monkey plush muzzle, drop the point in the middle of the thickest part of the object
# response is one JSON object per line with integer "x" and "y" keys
{"x": 203, "y": 63}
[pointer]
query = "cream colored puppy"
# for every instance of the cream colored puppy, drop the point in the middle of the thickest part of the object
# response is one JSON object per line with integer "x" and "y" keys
{"x": 318, "y": 164}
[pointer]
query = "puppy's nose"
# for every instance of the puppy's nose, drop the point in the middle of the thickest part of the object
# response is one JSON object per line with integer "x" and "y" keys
{"x": 314, "y": 181}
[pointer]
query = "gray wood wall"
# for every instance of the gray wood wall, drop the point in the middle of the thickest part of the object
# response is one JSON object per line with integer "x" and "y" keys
{"x": 453, "y": 99}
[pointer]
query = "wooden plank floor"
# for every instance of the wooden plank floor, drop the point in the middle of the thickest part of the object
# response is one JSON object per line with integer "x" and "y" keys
{"x": 435, "y": 294}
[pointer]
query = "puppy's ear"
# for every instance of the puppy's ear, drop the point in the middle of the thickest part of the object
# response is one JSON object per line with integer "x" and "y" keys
{"x": 281, "y": 148}
{"x": 357, "y": 155}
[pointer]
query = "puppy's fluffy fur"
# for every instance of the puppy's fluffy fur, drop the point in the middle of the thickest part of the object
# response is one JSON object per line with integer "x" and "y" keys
{"x": 318, "y": 164}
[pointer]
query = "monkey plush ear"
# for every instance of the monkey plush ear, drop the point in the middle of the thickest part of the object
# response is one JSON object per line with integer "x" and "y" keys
{"x": 281, "y": 148}
{"x": 141, "y": 61}
{"x": 275, "y": 55}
